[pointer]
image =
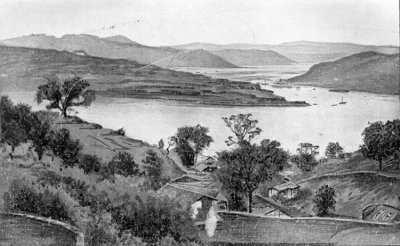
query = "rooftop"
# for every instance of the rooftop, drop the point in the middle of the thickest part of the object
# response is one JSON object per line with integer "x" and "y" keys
{"x": 286, "y": 185}
{"x": 187, "y": 193}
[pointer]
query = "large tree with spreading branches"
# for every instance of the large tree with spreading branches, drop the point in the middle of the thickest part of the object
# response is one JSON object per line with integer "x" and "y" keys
{"x": 244, "y": 168}
{"x": 64, "y": 95}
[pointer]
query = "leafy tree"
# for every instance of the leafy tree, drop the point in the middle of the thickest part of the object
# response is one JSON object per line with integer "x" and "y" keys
{"x": 14, "y": 135}
{"x": 276, "y": 154}
{"x": 123, "y": 164}
{"x": 62, "y": 96}
{"x": 39, "y": 134}
{"x": 306, "y": 156}
{"x": 190, "y": 141}
{"x": 89, "y": 163}
{"x": 333, "y": 150}
{"x": 324, "y": 200}
{"x": 64, "y": 146}
{"x": 393, "y": 127}
{"x": 153, "y": 167}
{"x": 243, "y": 127}
{"x": 15, "y": 123}
{"x": 236, "y": 202}
{"x": 381, "y": 141}
{"x": 244, "y": 168}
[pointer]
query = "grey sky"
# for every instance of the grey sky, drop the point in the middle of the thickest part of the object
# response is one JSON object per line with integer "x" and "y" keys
{"x": 156, "y": 22}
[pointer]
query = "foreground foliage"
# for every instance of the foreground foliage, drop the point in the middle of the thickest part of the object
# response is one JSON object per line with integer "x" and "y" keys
{"x": 25, "y": 198}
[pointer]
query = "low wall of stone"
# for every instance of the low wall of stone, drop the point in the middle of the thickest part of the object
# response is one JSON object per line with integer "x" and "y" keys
{"x": 80, "y": 238}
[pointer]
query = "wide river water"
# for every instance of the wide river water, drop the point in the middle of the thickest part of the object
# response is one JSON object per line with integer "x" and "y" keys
{"x": 318, "y": 124}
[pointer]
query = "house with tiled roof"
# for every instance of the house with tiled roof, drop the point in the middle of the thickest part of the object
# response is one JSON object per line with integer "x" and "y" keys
{"x": 198, "y": 195}
{"x": 208, "y": 165}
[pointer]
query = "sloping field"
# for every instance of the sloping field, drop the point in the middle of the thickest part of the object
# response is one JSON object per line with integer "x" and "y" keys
{"x": 244, "y": 228}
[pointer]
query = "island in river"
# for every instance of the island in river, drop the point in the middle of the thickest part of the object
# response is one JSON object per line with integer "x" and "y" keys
{"x": 25, "y": 68}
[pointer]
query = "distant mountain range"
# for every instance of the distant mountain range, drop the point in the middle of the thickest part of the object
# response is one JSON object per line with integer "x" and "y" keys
{"x": 367, "y": 71}
{"x": 120, "y": 47}
{"x": 301, "y": 51}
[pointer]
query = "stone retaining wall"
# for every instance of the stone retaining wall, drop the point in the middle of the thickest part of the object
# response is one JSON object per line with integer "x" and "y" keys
{"x": 80, "y": 238}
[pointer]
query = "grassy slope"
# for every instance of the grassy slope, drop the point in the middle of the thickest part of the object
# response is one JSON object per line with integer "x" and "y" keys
{"x": 368, "y": 71}
{"x": 25, "y": 68}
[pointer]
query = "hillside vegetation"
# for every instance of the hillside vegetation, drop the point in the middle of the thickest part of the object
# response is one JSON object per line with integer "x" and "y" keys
{"x": 368, "y": 71}
{"x": 25, "y": 68}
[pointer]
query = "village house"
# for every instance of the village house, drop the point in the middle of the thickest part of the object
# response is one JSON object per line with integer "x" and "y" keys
{"x": 380, "y": 213}
{"x": 287, "y": 190}
{"x": 208, "y": 165}
{"x": 199, "y": 193}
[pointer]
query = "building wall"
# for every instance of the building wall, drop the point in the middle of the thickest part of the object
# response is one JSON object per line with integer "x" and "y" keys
{"x": 203, "y": 207}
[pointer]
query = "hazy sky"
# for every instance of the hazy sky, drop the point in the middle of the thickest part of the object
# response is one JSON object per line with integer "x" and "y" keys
{"x": 156, "y": 22}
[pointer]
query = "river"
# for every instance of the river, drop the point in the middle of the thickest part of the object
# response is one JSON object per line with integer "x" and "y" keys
{"x": 319, "y": 124}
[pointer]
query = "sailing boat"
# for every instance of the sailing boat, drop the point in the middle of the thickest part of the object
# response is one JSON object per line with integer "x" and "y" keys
{"x": 342, "y": 102}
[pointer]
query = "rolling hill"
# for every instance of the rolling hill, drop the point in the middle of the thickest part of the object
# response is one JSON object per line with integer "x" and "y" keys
{"x": 367, "y": 71}
{"x": 119, "y": 47}
{"x": 301, "y": 51}
{"x": 25, "y": 68}
{"x": 196, "y": 58}
{"x": 253, "y": 57}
